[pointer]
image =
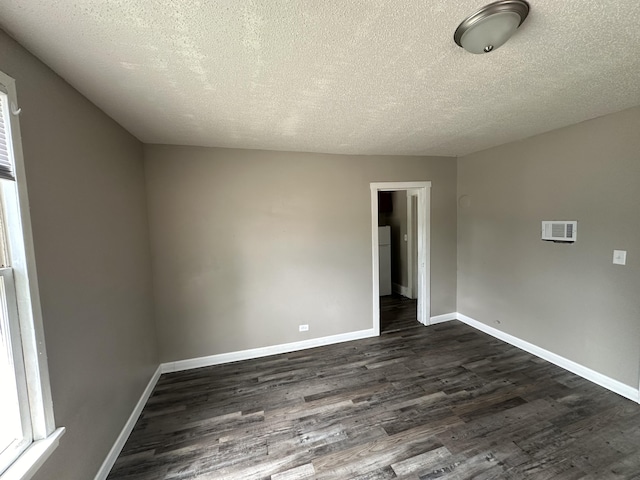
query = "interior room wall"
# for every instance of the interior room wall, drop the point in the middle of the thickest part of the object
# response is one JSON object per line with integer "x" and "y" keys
{"x": 398, "y": 222}
{"x": 385, "y": 208}
{"x": 568, "y": 299}
{"x": 247, "y": 245}
{"x": 86, "y": 191}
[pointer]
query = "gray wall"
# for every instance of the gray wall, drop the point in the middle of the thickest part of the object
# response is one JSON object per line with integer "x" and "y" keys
{"x": 398, "y": 222}
{"x": 86, "y": 190}
{"x": 569, "y": 299}
{"x": 247, "y": 244}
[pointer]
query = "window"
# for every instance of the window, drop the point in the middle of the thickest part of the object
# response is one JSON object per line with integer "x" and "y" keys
{"x": 27, "y": 431}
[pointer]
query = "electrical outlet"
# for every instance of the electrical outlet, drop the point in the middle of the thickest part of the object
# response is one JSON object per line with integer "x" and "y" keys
{"x": 303, "y": 328}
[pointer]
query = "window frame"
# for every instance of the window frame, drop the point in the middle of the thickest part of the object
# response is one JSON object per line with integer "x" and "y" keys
{"x": 45, "y": 436}
{"x": 9, "y": 305}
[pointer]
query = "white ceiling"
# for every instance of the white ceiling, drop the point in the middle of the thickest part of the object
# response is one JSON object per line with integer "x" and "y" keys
{"x": 334, "y": 76}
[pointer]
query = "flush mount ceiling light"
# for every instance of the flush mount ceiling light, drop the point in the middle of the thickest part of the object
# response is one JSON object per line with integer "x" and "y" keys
{"x": 491, "y": 26}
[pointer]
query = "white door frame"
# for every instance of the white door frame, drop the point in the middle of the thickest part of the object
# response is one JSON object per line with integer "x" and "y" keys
{"x": 412, "y": 260}
{"x": 424, "y": 246}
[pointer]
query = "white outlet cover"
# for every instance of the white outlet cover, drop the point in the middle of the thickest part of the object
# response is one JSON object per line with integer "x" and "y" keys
{"x": 303, "y": 328}
{"x": 620, "y": 257}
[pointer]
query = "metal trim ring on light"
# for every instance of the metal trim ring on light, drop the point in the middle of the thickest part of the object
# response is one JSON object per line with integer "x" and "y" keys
{"x": 519, "y": 7}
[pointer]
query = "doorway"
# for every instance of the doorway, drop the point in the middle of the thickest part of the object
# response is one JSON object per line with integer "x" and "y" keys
{"x": 419, "y": 204}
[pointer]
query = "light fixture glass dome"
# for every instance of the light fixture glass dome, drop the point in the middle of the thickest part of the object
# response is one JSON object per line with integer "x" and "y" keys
{"x": 490, "y": 27}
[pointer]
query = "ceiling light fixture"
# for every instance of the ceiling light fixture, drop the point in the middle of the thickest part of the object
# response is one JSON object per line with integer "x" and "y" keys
{"x": 491, "y": 26}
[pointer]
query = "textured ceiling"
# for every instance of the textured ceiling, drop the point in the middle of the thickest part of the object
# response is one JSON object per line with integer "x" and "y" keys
{"x": 335, "y": 76}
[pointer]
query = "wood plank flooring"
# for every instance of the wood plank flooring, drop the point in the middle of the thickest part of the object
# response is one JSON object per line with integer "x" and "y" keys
{"x": 397, "y": 313}
{"x": 445, "y": 402}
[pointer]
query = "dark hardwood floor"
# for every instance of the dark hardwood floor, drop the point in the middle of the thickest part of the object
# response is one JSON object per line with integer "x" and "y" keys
{"x": 397, "y": 313}
{"x": 444, "y": 402}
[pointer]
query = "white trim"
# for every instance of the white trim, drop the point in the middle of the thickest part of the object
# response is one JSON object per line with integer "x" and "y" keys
{"x": 446, "y": 317}
{"x": 27, "y": 464}
{"x": 21, "y": 252}
{"x": 393, "y": 186}
{"x": 108, "y": 463}
{"x": 210, "y": 360}
{"x": 375, "y": 259}
{"x": 412, "y": 260}
{"x": 180, "y": 365}
{"x": 424, "y": 254}
{"x": 22, "y": 255}
{"x": 401, "y": 290}
{"x": 580, "y": 370}
{"x": 423, "y": 190}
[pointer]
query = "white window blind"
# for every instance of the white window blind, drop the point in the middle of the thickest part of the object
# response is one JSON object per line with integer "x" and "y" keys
{"x": 6, "y": 163}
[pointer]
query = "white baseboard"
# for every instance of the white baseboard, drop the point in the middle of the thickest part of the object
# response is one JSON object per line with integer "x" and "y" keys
{"x": 221, "y": 358}
{"x": 108, "y": 463}
{"x": 447, "y": 317}
{"x": 401, "y": 289}
{"x": 580, "y": 370}
{"x": 168, "y": 367}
